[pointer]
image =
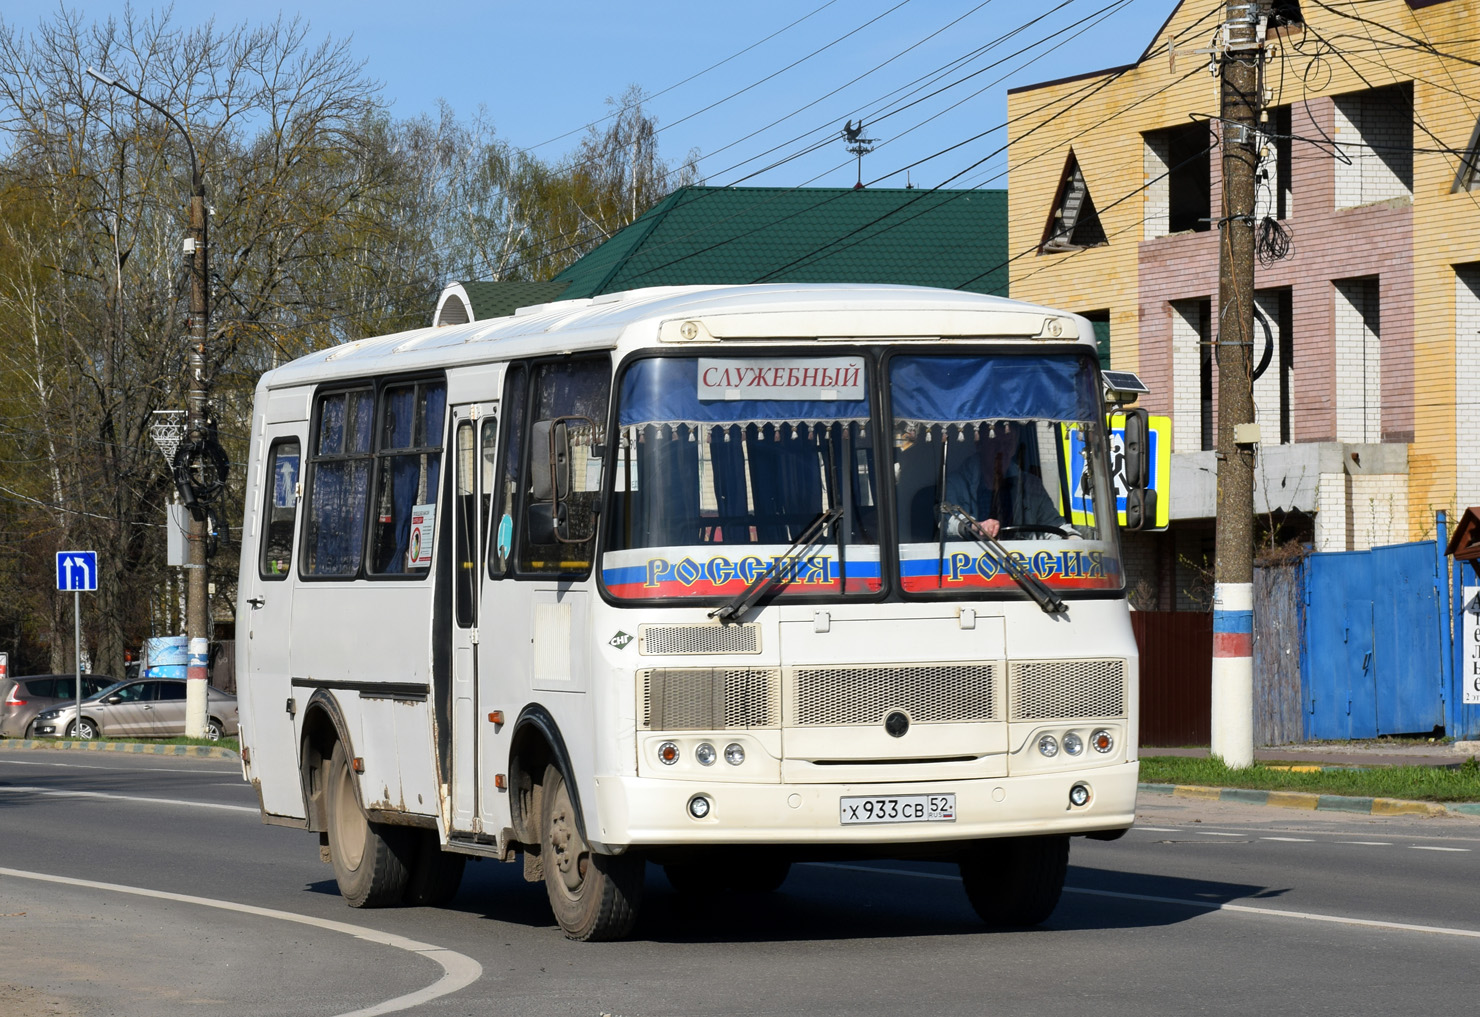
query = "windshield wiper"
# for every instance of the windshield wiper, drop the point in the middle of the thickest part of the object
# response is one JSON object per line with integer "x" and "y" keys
{"x": 741, "y": 602}
{"x": 1034, "y": 587}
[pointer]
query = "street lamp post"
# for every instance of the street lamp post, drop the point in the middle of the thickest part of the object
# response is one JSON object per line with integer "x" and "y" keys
{"x": 198, "y": 433}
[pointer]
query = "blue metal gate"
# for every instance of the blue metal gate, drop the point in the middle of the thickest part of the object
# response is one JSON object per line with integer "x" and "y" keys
{"x": 1373, "y": 658}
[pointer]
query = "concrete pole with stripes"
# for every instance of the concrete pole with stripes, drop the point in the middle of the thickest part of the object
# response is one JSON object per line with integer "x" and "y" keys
{"x": 1233, "y": 591}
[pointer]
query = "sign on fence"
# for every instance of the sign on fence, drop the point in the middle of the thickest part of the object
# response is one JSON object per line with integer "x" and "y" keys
{"x": 1470, "y": 678}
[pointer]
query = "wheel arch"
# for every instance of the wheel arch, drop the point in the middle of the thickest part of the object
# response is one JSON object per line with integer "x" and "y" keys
{"x": 324, "y": 726}
{"x": 535, "y": 744}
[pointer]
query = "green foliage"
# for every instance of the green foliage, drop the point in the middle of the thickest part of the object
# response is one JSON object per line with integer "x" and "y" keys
{"x": 1460, "y": 783}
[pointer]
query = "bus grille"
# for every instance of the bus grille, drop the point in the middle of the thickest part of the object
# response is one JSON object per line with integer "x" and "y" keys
{"x": 929, "y": 693}
{"x": 653, "y": 640}
{"x": 708, "y": 698}
{"x": 1066, "y": 689}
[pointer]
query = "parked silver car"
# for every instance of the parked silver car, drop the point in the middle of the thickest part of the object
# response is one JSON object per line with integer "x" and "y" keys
{"x": 143, "y": 708}
{"x": 22, "y": 698}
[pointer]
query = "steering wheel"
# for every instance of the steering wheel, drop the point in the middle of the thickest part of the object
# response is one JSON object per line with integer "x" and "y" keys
{"x": 1008, "y": 532}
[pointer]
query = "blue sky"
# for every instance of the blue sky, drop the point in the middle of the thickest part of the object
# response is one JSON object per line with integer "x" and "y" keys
{"x": 542, "y": 70}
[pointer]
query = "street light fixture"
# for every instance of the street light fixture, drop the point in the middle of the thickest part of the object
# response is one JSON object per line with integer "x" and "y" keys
{"x": 200, "y": 450}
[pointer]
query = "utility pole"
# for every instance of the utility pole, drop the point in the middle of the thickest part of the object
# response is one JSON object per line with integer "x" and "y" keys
{"x": 1240, "y": 55}
{"x": 199, "y": 436}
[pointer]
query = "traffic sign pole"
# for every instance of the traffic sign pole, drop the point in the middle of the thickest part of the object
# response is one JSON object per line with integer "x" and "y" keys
{"x": 77, "y": 657}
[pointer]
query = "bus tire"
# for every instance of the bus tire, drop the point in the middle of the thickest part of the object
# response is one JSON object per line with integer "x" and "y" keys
{"x": 435, "y": 874}
{"x": 1015, "y": 881}
{"x": 594, "y": 896}
{"x": 370, "y": 859}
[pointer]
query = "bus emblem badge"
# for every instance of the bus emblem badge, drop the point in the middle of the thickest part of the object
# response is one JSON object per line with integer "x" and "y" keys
{"x": 620, "y": 640}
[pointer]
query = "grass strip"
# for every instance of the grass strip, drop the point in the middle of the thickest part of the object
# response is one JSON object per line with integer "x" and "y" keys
{"x": 1415, "y": 783}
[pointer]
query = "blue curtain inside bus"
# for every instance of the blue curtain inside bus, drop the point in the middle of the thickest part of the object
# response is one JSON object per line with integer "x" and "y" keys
{"x": 948, "y": 390}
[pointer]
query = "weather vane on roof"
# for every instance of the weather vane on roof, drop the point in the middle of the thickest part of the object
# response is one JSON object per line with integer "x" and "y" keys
{"x": 858, "y": 145}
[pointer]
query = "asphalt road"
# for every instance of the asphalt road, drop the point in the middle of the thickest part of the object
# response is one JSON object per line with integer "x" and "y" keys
{"x": 1205, "y": 908}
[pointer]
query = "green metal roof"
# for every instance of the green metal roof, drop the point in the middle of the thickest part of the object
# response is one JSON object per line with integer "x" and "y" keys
{"x": 498, "y": 299}
{"x": 951, "y": 239}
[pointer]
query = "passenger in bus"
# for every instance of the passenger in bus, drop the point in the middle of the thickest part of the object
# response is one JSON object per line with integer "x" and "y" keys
{"x": 916, "y": 479}
{"x": 993, "y": 487}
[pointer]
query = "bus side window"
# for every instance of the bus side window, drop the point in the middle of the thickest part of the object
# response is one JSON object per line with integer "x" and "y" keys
{"x": 506, "y": 489}
{"x": 280, "y": 509}
{"x": 339, "y": 483}
{"x": 571, "y": 389}
{"x": 408, "y": 461}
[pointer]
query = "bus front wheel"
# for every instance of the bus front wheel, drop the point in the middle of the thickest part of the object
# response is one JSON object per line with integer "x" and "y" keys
{"x": 1015, "y": 881}
{"x": 594, "y": 896}
{"x": 370, "y": 860}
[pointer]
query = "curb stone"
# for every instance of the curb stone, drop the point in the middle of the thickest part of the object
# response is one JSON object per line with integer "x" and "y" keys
{"x": 132, "y": 748}
{"x": 1311, "y": 801}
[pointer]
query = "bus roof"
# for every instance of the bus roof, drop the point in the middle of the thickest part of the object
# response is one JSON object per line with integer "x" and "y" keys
{"x": 774, "y": 312}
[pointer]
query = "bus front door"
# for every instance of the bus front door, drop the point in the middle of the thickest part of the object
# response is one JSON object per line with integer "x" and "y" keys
{"x": 474, "y": 443}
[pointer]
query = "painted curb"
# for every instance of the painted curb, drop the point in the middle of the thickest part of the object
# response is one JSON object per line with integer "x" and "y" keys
{"x": 132, "y": 748}
{"x": 1306, "y": 800}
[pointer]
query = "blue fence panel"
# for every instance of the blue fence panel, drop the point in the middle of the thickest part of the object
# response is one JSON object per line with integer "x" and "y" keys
{"x": 1373, "y": 661}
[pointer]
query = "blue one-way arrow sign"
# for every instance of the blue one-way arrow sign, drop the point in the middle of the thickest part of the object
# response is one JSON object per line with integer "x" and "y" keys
{"x": 77, "y": 571}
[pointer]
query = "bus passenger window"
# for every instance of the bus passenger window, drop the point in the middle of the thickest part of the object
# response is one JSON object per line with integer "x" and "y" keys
{"x": 280, "y": 513}
{"x": 408, "y": 462}
{"x": 339, "y": 483}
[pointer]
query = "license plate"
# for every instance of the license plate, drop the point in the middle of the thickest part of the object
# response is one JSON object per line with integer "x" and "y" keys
{"x": 898, "y": 809}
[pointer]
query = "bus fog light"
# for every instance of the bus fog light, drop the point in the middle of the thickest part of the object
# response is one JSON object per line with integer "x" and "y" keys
{"x": 1102, "y": 740}
{"x": 668, "y": 753}
{"x": 1073, "y": 744}
{"x": 705, "y": 754}
{"x": 699, "y": 806}
{"x": 1048, "y": 745}
{"x": 1079, "y": 795}
{"x": 734, "y": 754}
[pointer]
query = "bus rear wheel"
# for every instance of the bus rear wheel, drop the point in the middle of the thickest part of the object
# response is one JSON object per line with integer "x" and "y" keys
{"x": 370, "y": 860}
{"x": 594, "y": 896}
{"x": 1015, "y": 881}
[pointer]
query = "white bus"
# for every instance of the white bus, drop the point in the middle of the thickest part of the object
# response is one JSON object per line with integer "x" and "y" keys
{"x": 714, "y": 577}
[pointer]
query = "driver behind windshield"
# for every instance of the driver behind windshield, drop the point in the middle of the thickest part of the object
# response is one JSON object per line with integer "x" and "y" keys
{"x": 992, "y": 484}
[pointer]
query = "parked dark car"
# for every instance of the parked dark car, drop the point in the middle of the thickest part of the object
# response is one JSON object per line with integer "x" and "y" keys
{"x": 23, "y": 697}
{"x": 145, "y": 708}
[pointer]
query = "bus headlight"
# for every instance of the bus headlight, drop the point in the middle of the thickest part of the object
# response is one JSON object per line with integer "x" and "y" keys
{"x": 1102, "y": 740}
{"x": 1073, "y": 744}
{"x": 1048, "y": 745}
{"x": 698, "y": 806}
{"x": 734, "y": 753}
{"x": 705, "y": 754}
{"x": 1079, "y": 795}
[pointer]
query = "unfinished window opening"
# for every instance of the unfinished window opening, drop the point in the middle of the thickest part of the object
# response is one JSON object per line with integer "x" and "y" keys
{"x": 1274, "y": 353}
{"x": 1178, "y": 172}
{"x": 1192, "y": 376}
{"x": 1273, "y": 192}
{"x": 1374, "y": 137}
{"x": 1358, "y": 361}
{"x": 1074, "y": 224}
{"x": 1468, "y": 177}
{"x": 1101, "y": 321}
{"x": 1467, "y": 380}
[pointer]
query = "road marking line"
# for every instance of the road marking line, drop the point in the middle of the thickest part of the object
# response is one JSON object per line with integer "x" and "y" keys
{"x": 1437, "y": 930}
{"x": 459, "y": 970}
{"x": 117, "y": 769}
{"x": 1156, "y": 829}
{"x": 1368, "y": 843}
{"x": 1290, "y": 840}
{"x": 1425, "y": 847}
{"x": 1215, "y": 833}
{"x": 126, "y": 798}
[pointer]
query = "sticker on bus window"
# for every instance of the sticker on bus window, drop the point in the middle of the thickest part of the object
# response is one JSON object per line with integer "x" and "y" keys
{"x": 419, "y": 544}
{"x": 788, "y": 378}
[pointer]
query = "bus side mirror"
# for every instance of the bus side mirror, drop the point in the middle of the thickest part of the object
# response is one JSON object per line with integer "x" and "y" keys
{"x": 549, "y": 460}
{"x": 1140, "y": 502}
{"x": 548, "y": 523}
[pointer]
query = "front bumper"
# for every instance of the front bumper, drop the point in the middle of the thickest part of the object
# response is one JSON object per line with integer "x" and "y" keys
{"x": 637, "y": 812}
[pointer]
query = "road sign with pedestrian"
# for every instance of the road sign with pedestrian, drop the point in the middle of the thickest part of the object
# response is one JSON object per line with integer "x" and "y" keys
{"x": 77, "y": 571}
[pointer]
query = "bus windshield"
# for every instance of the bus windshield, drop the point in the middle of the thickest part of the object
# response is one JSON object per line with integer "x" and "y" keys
{"x": 723, "y": 463}
{"x": 1001, "y": 455}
